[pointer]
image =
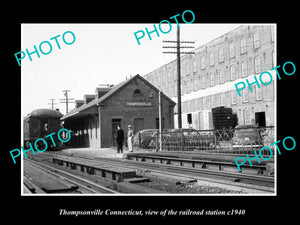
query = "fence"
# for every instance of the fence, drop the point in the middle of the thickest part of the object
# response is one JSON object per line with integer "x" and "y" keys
{"x": 237, "y": 140}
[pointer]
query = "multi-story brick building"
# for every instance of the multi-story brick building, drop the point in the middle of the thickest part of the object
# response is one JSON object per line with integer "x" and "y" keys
{"x": 209, "y": 75}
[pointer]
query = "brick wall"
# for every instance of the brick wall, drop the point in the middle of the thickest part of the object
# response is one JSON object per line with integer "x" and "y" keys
{"x": 117, "y": 107}
{"x": 208, "y": 76}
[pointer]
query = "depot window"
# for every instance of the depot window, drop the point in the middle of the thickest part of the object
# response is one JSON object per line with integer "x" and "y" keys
{"x": 136, "y": 91}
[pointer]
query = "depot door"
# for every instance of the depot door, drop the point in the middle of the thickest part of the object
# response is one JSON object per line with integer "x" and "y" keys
{"x": 114, "y": 125}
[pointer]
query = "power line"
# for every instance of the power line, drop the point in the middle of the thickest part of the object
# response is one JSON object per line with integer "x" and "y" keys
{"x": 178, "y": 52}
{"x": 67, "y": 99}
{"x": 52, "y": 103}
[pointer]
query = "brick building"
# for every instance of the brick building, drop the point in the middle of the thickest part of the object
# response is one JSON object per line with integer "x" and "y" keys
{"x": 209, "y": 75}
{"x": 134, "y": 101}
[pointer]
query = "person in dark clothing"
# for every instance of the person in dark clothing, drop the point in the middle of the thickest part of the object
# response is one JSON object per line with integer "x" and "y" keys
{"x": 120, "y": 139}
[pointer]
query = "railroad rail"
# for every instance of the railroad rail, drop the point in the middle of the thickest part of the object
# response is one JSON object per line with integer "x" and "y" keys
{"x": 259, "y": 180}
{"x": 62, "y": 178}
{"x": 210, "y": 164}
{"x": 103, "y": 177}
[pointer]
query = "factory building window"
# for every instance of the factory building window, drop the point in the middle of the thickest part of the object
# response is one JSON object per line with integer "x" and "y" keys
{"x": 247, "y": 118}
{"x": 268, "y": 91}
{"x": 216, "y": 100}
{"x": 245, "y": 94}
{"x": 232, "y": 72}
{"x": 257, "y": 64}
{"x": 221, "y": 54}
{"x": 211, "y": 59}
{"x": 231, "y": 50}
{"x": 217, "y": 78}
{"x": 212, "y": 78}
{"x": 199, "y": 104}
{"x": 195, "y": 83}
{"x": 244, "y": 69}
{"x": 233, "y": 97}
{"x": 207, "y": 80}
{"x": 258, "y": 93}
{"x": 194, "y": 65}
{"x": 256, "y": 39}
{"x": 184, "y": 107}
{"x": 243, "y": 45}
{"x": 222, "y": 76}
{"x": 222, "y": 99}
{"x": 208, "y": 101}
{"x": 174, "y": 71}
{"x": 203, "y": 82}
{"x": 272, "y": 33}
{"x": 191, "y": 105}
{"x": 202, "y": 62}
{"x": 198, "y": 81}
{"x": 204, "y": 103}
{"x": 189, "y": 118}
{"x": 187, "y": 73}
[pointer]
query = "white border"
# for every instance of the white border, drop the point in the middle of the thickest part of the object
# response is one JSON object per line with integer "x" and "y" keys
{"x": 236, "y": 81}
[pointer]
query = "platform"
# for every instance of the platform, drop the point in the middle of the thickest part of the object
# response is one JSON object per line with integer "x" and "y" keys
{"x": 201, "y": 159}
{"x": 105, "y": 170}
{"x": 98, "y": 152}
{"x": 196, "y": 155}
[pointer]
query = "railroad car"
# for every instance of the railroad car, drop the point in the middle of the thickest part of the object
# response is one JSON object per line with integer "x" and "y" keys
{"x": 38, "y": 124}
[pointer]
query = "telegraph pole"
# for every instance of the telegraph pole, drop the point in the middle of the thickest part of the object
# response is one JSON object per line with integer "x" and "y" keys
{"x": 160, "y": 120}
{"x": 178, "y": 47}
{"x": 52, "y": 103}
{"x": 67, "y": 100}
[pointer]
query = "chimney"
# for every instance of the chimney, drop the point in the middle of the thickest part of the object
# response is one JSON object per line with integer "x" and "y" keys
{"x": 78, "y": 103}
{"x": 88, "y": 98}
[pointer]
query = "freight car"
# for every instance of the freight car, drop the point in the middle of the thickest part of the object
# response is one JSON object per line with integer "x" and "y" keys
{"x": 40, "y": 123}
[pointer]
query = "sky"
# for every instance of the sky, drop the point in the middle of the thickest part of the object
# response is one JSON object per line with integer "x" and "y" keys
{"x": 101, "y": 54}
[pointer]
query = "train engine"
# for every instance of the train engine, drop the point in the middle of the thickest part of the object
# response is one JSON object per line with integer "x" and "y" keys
{"x": 39, "y": 123}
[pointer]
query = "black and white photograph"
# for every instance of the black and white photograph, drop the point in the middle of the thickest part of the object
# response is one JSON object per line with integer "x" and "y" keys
{"x": 164, "y": 115}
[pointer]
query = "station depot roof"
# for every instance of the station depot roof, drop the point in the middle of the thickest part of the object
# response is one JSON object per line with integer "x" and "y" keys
{"x": 44, "y": 113}
{"x": 91, "y": 107}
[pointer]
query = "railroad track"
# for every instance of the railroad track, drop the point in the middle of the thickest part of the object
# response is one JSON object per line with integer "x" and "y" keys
{"x": 61, "y": 178}
{"x": 264, "y": 183}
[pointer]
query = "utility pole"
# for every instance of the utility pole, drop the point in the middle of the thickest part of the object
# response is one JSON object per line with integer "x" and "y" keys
{"x": 52, "y": 103}
{"x": 160, "y": 120}
{"x": 67, "y": 100}
{"x": 178, "y": 47}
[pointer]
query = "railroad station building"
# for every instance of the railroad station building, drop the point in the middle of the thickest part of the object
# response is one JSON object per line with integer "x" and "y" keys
{"x": 93, "y": 122}
{"x": 209, "y": 75}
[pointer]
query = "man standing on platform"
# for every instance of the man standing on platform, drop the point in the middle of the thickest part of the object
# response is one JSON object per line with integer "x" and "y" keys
{"x": 129, "y": 139}
{"x": 120, "y": 139}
